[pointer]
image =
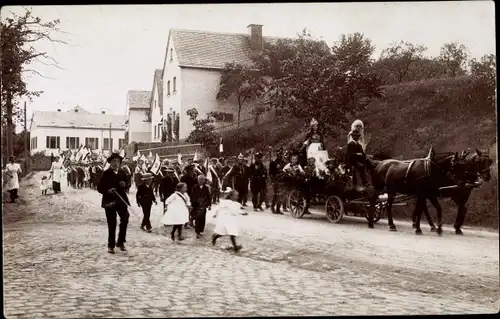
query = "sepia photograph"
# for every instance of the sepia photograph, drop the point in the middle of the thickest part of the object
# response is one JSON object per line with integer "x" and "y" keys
{"x": 249, "y": 160}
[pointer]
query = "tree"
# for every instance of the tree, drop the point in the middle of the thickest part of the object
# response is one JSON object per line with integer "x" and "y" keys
{"x": 453, "y": 58}
{"x": 169, "y": 127}
{"x": 353, "y": 53}
{"x": 203, "y": 132}
{"x": 19, "y": 34}
{"x": 177, "y": 126}
{"x": 244, "y": 82}
{"x": 484, "y": 74}
{"x": 316, "y": 82}
{"x": 400, "y": 56}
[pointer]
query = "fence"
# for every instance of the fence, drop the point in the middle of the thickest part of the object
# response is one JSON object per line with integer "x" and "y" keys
{"x": 248, "y": 122}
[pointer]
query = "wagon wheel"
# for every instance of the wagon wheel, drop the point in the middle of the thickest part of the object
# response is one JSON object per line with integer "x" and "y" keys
{"x": 380, "y": 210}
{"x": 297, "y": 204}
{"x": 334, "y": 209}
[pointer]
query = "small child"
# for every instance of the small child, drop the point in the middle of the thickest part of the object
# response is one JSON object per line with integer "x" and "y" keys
{"x": 44, "y": 185}
{"x": 176, "y": 211}
{"x": 227, "y": 214}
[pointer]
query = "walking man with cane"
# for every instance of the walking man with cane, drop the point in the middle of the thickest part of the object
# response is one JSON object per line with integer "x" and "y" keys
{"x": 113, "y": 186}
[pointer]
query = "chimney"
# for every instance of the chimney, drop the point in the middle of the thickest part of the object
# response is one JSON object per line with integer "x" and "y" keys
{"x": 255, "y": 33}
{"x": 58, "y": 110}
{"x": 103, "y": 112}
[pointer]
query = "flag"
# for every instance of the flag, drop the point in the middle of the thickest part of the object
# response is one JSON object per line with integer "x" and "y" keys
{"x": 179, "y": 157}
{"x": 122, "y": 153}
{"x": 143, "y": 158}
{"x": 195, "y": 158}
{"x": 207, "y": 169}
{"x": 79, "y": 154}
{"x": 138, "y": 154}
{"x": 221, "y": 146}
{"x": 106, "y": 166}
{"x": 155, "y": 168}
{"x": 150, "y": 154}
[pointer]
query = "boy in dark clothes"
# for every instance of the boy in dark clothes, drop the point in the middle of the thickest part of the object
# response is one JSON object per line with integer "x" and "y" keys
{"x": 145, "y": 198}
{"x": 200, "y": 201}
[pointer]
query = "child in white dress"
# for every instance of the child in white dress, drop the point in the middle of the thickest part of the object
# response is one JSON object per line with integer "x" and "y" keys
{"x": 44, "y": 185}
{"x": 176, "y": 211}
{"x": 227, "y": 216}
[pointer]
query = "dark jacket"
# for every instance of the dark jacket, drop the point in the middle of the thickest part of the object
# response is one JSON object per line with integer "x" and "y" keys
{"x": 352, "y": 157}
{"x": 228, "y": 181}
{"x": 111, "y": 180}
{"x": 167, "y": 185}
{"x": 145, "y": 195}
{"x": 190, "y": 181}
{"x": 258, "y": 174}
{"x": 240, "y": 174}
{"x": 200, "y": 197}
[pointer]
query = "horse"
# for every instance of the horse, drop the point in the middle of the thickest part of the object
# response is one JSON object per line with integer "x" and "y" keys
{"x": 476, "y": 165}
{"x": 420, "y": 177}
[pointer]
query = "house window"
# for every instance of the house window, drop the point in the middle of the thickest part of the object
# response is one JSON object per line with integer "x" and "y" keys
{"x": 155, "y": 132}
{"x": 72, "y": 143}
{"x": 224, "y": 117}
{"x": 92, "y": 142}
{"x": 106, "y": 145}
{"x": 168, "y": 87}
{"x": 121, "y": 142}
{"x": 174, "y": 84}
{"x": 171, "y": 55}
{"x": 155, "y": 104}
{"x": 53, "y": 142}
{"x": 159, "y": 132}
{"x": 33, "y": 143}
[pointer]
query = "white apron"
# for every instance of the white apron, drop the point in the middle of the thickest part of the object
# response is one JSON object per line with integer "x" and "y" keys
{"x": 12, "y": 172}
{"x": 227, "y": 218}
{"x": 176, "y": 209}
{"x": 57, "y": 172}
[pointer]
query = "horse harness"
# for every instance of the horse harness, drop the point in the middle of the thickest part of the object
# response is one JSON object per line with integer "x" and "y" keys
{"x": 427, "y": 168}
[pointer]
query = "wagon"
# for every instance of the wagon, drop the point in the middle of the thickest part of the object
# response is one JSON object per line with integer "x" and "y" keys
{"x": 337, "y": 200}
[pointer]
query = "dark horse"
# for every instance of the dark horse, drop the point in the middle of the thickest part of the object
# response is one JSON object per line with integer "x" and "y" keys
{"x": 476, "y": 165}
{"x": 419, "y": 177}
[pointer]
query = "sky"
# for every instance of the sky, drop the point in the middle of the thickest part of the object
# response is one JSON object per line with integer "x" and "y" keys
{"x": 114, "y": 49}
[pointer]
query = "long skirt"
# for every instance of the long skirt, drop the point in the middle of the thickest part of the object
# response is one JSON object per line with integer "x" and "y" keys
{"x": 56, "y": 187}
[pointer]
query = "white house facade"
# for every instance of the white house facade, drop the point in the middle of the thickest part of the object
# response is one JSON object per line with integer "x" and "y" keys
{"x": 63, "y": 130}
{"x": 192, "y": 70}
{"x": 138, "y": 124}
{"x": 156, "y": 108}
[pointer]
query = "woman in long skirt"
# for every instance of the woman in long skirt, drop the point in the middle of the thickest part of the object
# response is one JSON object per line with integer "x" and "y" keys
{"x": 56, "y": 172}
{"x": 227, "y": 216}
{"x": 12, "y": 171}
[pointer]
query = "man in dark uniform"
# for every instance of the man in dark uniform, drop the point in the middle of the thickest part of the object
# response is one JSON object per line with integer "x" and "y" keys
{"x": 258, "y": 178}
{"x": 275, "y": 171}
{"x": 167, "y": 184}
{"x": 240, "y": 173}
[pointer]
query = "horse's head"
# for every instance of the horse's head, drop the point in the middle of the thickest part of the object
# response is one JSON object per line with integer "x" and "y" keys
{"x": 477, "y": 164}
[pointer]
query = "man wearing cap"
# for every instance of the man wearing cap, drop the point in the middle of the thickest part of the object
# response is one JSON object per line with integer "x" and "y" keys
{"x": 275, "y": 171}
{"x": 145, "y": 198}
{"x": 258, "y": 179}
{"x": 356, "y": 158}
{"x": 113, "y": 187}
{"x": 167, "y": 184}
{"x": 240, "y": 174}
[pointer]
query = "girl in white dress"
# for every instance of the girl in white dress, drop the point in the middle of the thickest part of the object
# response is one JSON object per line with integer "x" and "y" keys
{"x": 227, "y": 216}
{"x": 56, "y": 172}
{"x": 44, "y": 185}
{"x": 12, "y": 171}
{"x": 176, "y": 211}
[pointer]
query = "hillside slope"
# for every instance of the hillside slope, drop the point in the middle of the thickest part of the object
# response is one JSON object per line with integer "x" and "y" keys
{"x": 449, "y": 114}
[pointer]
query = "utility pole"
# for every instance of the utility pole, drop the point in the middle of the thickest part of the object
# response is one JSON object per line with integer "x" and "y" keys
{"x": 26, "y": 139}
{"x": 109, "y": 142}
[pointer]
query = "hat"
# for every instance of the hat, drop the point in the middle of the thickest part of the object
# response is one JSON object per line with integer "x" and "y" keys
{"x": 113, "y": 156}
{"x": 147, "y": 176}
{"x": 240, "y": 156}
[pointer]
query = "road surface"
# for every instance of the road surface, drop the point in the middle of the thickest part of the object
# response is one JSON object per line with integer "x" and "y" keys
{"x": 56, "y": 265}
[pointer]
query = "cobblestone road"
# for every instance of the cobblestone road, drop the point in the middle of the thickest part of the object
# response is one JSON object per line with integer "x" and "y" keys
{"x": 56, "y": 265}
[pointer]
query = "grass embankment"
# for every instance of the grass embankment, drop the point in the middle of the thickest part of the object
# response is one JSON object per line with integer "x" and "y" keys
{"x": 449, "y": 114}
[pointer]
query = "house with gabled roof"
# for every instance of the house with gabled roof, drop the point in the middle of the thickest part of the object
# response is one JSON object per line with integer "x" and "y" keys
{"x": 158, "y": 121}
{"x": 62, "y": 130}
{"x": 138, "y": 116}
{"x": 192, "y": 69}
